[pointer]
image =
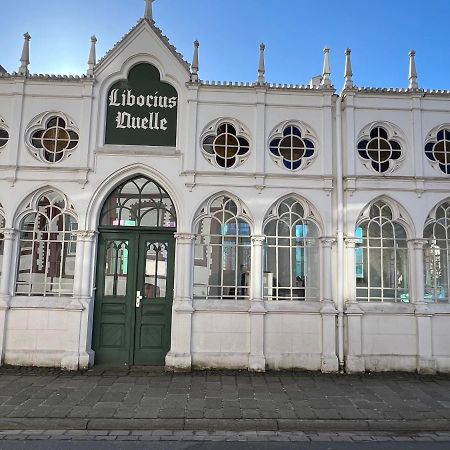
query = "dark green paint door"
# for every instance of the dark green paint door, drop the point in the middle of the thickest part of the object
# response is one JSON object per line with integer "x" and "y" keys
{"x": 132, "y": 314}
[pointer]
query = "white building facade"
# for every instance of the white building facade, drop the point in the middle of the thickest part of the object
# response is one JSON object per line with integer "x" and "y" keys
{"x": 150, "y": 218}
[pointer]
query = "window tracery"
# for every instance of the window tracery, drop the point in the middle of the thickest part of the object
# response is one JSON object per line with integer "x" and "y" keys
{"x": 222, "y": 259}
{"x": 47, "y": 252}
{"x": 380, "y": 149}
{"x": 226, "y": 144}
{"x": 292, "y": 146}
{"x": 52, "y": 137}
{"x": 291, "y": 260}
{"x": 139, "y": 202}
{"x": 436, "y": 254}
{"x": 4, "y": 133}
{"x": 381, "y": 256}
{"x": 437, "y": 149}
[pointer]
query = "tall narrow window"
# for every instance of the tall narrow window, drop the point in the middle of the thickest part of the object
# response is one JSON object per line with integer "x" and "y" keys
{"x": 291, "y": 261}
{"x": 222, "y": 251}
{"x": 47, "y": 248}
{"x": 381, "y": 256}
{"x": 436, "y": 253}
{"x": 139, "y": 202}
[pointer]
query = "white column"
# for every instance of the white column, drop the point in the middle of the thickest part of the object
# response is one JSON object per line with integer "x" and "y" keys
{"x": 179, "y": 356}
{"x": 354, "y": 314}
{"x": 424, "y": 316}
{"x": 78, "y": 353}
{"x": 87, "y": 299}
{"x": 257, "y": 360}
{"x": 6, "y": 284}
{"x": 328, "y": 310}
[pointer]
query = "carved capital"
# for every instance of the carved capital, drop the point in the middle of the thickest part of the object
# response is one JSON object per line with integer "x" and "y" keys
{"x": 327, "y": 242}
{"x": 417, "y": 244}
{"x": 9, "y": 233}
{"x": 85, "y": 235}
{"x": 258, "y": 240}
{"x": 185, "y": 238}
{"x": 351, "y": 242}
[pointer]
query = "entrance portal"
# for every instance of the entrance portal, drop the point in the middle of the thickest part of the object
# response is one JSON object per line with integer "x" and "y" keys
{"x": 135, "y": 269}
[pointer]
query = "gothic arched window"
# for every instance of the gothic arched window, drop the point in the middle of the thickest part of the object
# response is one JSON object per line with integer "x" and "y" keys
{"x": 139, "y": 202}
{"x": 222, "y": 251}
{"x": 47, "y": 247}
{"x": 291, "y": 260}
{"x": 381, "y": 256}
{"x": 436, "y": 253}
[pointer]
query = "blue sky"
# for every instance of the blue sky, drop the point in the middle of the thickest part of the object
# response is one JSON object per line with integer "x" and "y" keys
{"x": 379, "y": 33}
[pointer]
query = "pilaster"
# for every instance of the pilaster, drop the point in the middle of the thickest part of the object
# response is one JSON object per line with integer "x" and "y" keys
{"x": 179, "y": 357}
{"x": 425, "y": 361}
{"x": 6, "y": 284}
{"x": 257, "y": 360}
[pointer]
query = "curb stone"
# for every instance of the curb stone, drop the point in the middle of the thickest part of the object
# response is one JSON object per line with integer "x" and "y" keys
{"x": 233, "y": 425}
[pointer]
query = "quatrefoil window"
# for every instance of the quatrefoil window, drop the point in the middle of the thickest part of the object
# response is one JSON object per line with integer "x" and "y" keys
{"x": 438, "y": 151}
{"x": 292, "y": 149}
{"x": 53, "y": 138}
{"x": 379, "y": 151}
{"x": 4, "y": 135}
{"x": 226, "y": 148}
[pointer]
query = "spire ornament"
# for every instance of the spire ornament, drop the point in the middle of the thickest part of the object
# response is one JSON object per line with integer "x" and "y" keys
{"x": 92, "y": 61}
{"x": 348, "y": 70}
{"x": 326, "y": 80}
{"x": 262, "y": 67}
{"x": 148, "y": 10}
{"x": 412, "y": 71}
{"x": 25, "y": 58}
{"x": 194, "y": 66}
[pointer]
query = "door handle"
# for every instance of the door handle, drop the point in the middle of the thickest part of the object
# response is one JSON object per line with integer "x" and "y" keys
{"x": 138, "y": 299}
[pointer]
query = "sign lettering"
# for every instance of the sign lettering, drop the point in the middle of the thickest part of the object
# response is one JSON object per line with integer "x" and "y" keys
{"x": 142, "y": 110}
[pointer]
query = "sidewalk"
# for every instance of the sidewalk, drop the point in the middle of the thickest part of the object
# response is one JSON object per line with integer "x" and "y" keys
{"x": 143, "y": 399}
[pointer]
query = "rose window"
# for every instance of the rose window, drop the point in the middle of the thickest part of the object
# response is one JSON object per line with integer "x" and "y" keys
{"x": 378, "y": 151}
{"x": 53, "y": 141}
{"x": 438, "y": 151}
{"x": 292, "y": 150}
{"x": 225, "y": 147}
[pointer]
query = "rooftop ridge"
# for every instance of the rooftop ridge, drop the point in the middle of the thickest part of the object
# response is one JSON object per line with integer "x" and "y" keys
{"x": 160, "y": 34}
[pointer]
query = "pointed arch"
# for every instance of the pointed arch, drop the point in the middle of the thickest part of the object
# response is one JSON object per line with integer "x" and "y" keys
{"x": 292, "y": 250}
{"x": 137, "y": 202}
{"x": 46, "y": 262}
{"x": 381, "y": 252}
{"x": 116, "y": 179}
{"x": 437, "y": 253}
{"x": 222, "y": 257}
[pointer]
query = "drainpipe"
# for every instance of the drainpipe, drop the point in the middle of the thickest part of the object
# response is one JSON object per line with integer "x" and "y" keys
{"x": 340, "y": 234}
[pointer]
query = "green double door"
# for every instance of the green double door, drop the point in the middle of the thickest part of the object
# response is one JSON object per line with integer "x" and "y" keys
{"x": 133, "y": 306}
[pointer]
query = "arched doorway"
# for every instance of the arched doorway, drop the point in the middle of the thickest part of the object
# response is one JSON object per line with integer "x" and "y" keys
{"x": 135, "y": 267}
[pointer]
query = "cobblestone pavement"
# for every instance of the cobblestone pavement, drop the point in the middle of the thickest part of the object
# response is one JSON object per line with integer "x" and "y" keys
{"x": 229, "y": 401}
{"x": 219, "y": 436}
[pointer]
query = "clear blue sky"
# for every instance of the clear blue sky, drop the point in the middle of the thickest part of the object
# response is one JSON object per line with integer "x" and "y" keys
{"x": 379, "y": 33}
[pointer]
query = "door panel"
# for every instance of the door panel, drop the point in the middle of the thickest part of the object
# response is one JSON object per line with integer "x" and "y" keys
{"x": 153, "y": 318}
{"x": 127, "y": 332}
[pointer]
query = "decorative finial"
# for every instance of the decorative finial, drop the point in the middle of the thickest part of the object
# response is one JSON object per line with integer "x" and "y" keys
{"x": 25, "y": 58}
{"x": 148, "y": 10}
{"x": 262, "y": 67}
{"x": 348, "y": 69}
{"x": 326, "y": 81}
{"x": 412, "y": 71}
{"x": 92, "y": 61}
{"x": 194, "y": 66}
